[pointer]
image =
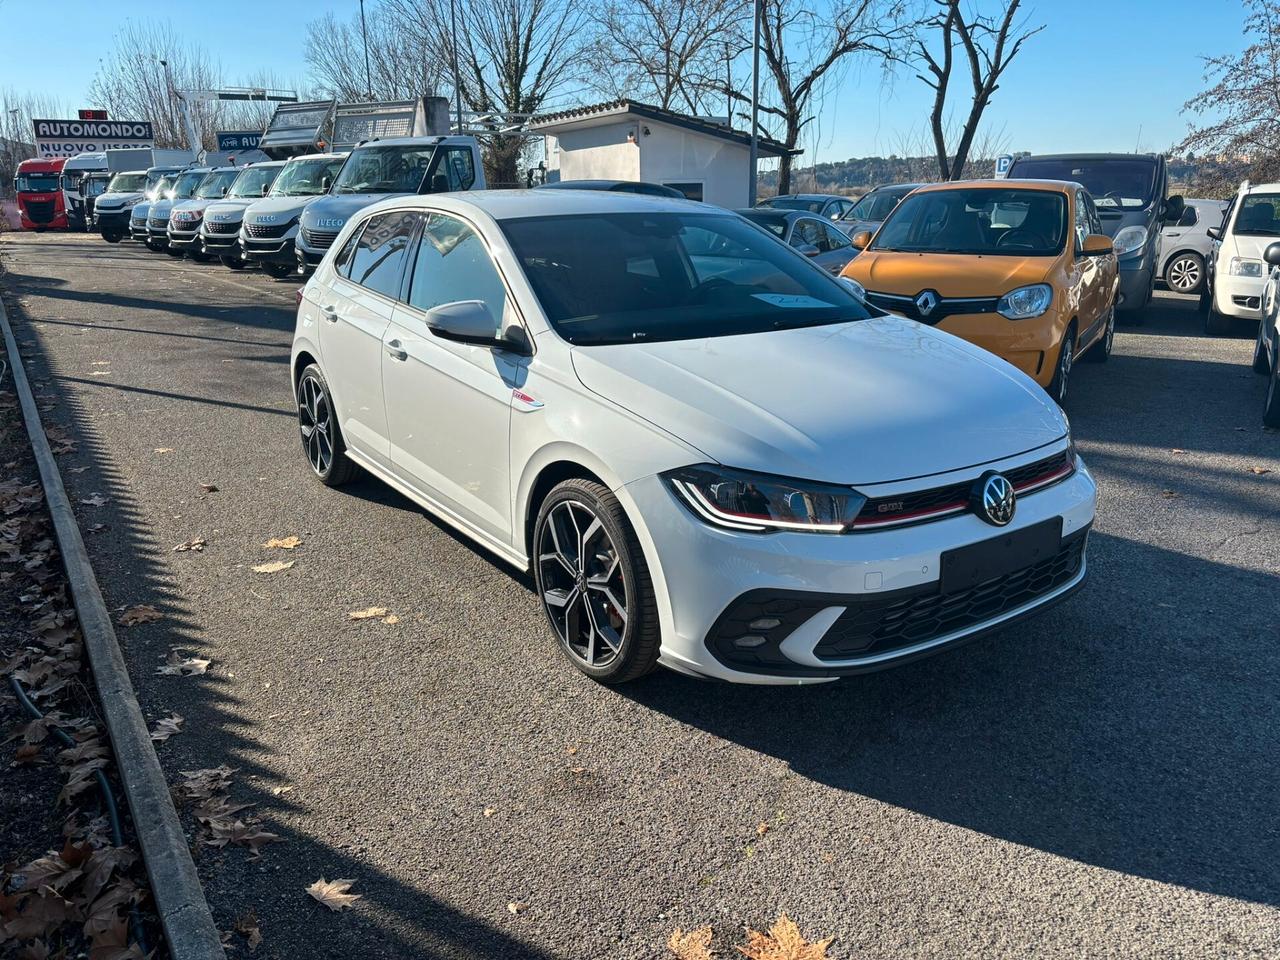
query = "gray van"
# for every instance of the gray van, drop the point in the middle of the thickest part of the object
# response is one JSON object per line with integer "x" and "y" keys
{"x": 1131, "y": 192}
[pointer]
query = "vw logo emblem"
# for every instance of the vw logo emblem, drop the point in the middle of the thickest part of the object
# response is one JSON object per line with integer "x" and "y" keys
{"x": 993, "y": 499}
{"x": 926, "y": 302}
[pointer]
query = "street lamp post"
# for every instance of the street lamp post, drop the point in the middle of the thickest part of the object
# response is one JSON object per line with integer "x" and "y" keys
{"x": 364, "y": 33}
{"x": 755, "y": 103}
{"x": 457, "y": 84}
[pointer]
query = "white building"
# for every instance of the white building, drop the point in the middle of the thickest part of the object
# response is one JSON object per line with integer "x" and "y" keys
{"x": 625, "y": 140}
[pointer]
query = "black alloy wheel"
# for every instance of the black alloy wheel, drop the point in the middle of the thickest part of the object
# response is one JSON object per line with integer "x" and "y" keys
{"x": 1100, "y": 352}
{"x": 318, "y": 426}
{"x": 1062, "y": 375}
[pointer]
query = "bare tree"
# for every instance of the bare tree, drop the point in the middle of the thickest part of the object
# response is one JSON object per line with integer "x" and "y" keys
{"x": 17, "y": 136}
{"x": 988, "y": 43}
{"x": 1242, "y": 103}
{"x": 802, "y": 46}
{"x": 665, "y": 51}
{"x": 403, "y": 63}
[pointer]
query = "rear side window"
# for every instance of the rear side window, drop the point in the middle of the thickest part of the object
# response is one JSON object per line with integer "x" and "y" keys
{"x": 1189, "y": 217}
{"x": 377, "y": 261}
{"x": 452, "y": 265}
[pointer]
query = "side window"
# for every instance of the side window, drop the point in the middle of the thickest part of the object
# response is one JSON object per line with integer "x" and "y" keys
{"x": 378, "y": 259}
{"x": 1082, "y": 224}
{"x": 460, "y": 168}
{"x": 342, "y": 262}
{"x": 810, "y": 231}
{"x": 452, "y": 265}
{"x": 1189, "y": 217}
{"x": 835, "y": 239}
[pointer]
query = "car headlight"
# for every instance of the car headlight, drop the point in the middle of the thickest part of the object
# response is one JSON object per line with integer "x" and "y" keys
{"x": 854, "y": 287}
{"x": 757, "y": 502}
{"x": 1025, "y": 302}
{"x": 1244, "y": 267}
{"x": 1129, "y": 240}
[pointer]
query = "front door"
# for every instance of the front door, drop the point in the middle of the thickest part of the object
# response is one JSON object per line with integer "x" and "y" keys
{"x": 449, "y": 404}
{"x": 1086, "y": 273}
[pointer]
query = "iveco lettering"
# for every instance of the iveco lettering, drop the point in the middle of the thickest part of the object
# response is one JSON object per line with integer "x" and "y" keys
{"x": 710, "y": 453}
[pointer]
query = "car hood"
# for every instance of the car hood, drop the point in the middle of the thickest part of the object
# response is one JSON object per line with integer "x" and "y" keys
{"x": 162, "y": 208}
{"x": 332, "y": 211}
{"x": 948, "y": 275}
{"x": 867, "y": 402}
{"x": 195, "y": 203}
{"x": 225, "y": 211}
{"x": 1248, "y": 247}
{"x": 278, "y": 209}
{"x": 114, "y": 201}
{"x": 141, "y": 210}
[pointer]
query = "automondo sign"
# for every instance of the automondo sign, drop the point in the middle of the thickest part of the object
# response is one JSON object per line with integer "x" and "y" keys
{"x": 66, "y": 138}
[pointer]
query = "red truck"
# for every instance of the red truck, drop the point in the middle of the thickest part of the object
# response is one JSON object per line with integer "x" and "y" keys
{"x": 40, "y": 204}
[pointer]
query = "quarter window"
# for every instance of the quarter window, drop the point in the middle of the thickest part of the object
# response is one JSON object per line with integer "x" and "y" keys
{"x": 453, "y": 264}
{"x": 1189, "y": 217}
{"x": 835, "y": 239}
{"x": 1083, "y": 227}
{"x": 811, "y": 232}
{"x": 378, "y": 260}
{"x": 342, "y": 262}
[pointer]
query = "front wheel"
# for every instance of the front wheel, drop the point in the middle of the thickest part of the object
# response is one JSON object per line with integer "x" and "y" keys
{"x": 1215, "y": 323}
{"x": 112, "y": 236}
{"x": 278, "y": 271}
{"x": 594, "y": 583}
{"x": 234, "y": 263}
{"x": 318, "y": 425}
{"x": 176, "y": 252}
{"x": 1261, "y": 363}
{"x": 1062, "y": 373}
{"x": 1185, "y": 273}
{"x": 1271, "y": 408}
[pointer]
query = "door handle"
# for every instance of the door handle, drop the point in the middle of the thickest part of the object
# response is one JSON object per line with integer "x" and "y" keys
{"x": 394, "y": 351}
{"x": 330, "y": 313}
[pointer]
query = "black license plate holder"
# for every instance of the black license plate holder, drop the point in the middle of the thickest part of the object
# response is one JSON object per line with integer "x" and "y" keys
{"x": 966, "y": 567}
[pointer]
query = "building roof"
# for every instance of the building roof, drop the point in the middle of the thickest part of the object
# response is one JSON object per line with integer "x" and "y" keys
{"x": 549, "y": 122}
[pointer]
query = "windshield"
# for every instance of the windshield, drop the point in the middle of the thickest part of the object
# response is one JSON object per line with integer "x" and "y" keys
{"x": 1012, "y": 223}
{"x": 161, "y": 189}
{"x": 1259, "y": 216}
{"x": 37, "y": 182}
{"x": 645, "y": 277}
{"x": 796, "y": 203}
{"x": 252, "y": 181}
{"x": 392, "y": 169}
{"x": 875, "y": 206}
{"x": 1116, "y": 184}
{"x": 94, "y": 186}
{"x": 184, "y": 188}
{"x": 128, "y": 183}
{"x": 217, "y": 184}
{"x": 305, "y": 178}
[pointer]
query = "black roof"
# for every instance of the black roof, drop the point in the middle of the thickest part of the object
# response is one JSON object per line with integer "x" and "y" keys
{"x": 1092, "y": 156}
{"x": 615, "y": 186}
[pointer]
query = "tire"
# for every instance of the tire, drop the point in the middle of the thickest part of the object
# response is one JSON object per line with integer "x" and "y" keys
{"x": 199, "y": 256}
{"x": 112, "y": 236}
{"x": 1215, "y": 324}
{"x": 1261, "y": 363}
{"x": 1184, "y": 273}
{"x": 1271, "y": 408}
{"x": 1100, "y": 352}
{"x": 176, "y": 252}
{"x": 232, "y": 263}
{"x": 324, "y": 448}
{"x": 1062, "y": 372}
{"x": 596, "y": 592}
{"x": 278, "y": 271}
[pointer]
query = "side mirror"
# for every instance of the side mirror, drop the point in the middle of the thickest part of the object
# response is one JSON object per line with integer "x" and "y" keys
{"x": 1174, "y": 208}
{"x": 266, "y": 188}
{"x": 1272, "y": 254}
{"x": 1215, "y": 233}
{"x": 861, "y": 239}
{"x": 470, "y": 321}
{"x": 439, "y": 183}
{"x": 1096, "y": 245}
{"x": 808, "y": 249}
{"x": 325, "y": 183}
{"x": 222, "y": 191}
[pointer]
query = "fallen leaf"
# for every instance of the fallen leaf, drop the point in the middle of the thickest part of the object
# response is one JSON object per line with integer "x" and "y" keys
{"x": 367, "y": 614}
{"x": 139, "y": 613}
{"x": 96, "y": 500}
{"x": 488, "y": 811}
{"x": 515, "y": 907}
{"x": 333, "y": 893}
{"x": 1177, "y": 450}
{"x": 209, "y": 487}
{"x": 1170, "y": 494}
{"x": 27, "y": 753}
{"x": 78, "y": 470}
{"x": 694, "y": 945}
{"x": 285, "y": 543}
{"x": 275, "y": 567}
{"x": 571, "y": 750}
{"x": 179, "y": 666}
{"x": 762, "y": 828}
{"x": 166, "y": 727}
{"x": 247, "y": 927}
{"x": 95, "y": 528}
{"x": 1260, "y": 470}
{"x": 783, "y": 942}
{"x": 280, "y": 791}
{"x": 164, "y": 449}
{"x": 195, "y": 544}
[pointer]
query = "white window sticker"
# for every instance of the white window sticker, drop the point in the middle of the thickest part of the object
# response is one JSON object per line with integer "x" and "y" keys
{"x": 792, "y": 301}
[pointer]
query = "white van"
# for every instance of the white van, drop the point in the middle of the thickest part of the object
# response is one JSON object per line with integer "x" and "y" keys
{"x": 73, "y": 172}
{"x": 1237, "y": 273}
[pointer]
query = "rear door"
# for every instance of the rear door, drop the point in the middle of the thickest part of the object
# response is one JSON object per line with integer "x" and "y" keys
{"x": 355, "y": 312}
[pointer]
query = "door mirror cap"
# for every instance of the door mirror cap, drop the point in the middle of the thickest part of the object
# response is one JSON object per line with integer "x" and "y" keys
{"x": 1174, "y": 208}
{"x": 471, "y": 321}
{"x": 808, "y": 249}
{"x": 1096, "y": 245}
{"x": 861, "y": 239}
{"x": 1272, "y": 254}
{"x": 266, "y": 188}
{"x": 1215, "y": 233}
{"x": 326, "y": 183}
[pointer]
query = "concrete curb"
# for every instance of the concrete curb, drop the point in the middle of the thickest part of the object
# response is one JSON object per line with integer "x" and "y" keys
{"x": 175, "y": 887}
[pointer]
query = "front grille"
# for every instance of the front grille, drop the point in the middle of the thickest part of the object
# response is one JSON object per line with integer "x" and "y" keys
{"x": 158, "y": 223}
{"x": 319, "y": 239}
{"x": 40, "y": 211}
{"x": 265, "y": 231}
{"x": 226, "y": 226}
{"x": 882, "y": 624}
{"x": 945, "y": 307}
{"x": 920, "y": 506}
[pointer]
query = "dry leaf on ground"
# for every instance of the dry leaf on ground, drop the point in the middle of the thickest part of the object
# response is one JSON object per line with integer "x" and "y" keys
{"x": 1259, "y": 471}
{"x": 694, "y": 945}
{"x": 373, "y": 613}
{"x": 138, "y": 613}
{"x": 282, "y": 543}
{"x": 164, "y": 449}
{"x": 762, "y": 828}
{"x": 96, "y": 500}
{"x": 166, "y": 727}
{"x": 178, "y": 666}
{"x": 1170, "y": 494}
{"x": 274, "y": 567}
{"x": 515, "y": 907}
{"x": 783, "y": 942}
{"x": 195, "y": 544}
{"x": 1177, "y": 450}
{"x": 209, "y": 487}
{"x": 333, "y": 893}
{"x": 247, "y": 927}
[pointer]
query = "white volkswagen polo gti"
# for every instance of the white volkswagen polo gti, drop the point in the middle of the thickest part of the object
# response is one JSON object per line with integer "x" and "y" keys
{"x": 708, "y": 451}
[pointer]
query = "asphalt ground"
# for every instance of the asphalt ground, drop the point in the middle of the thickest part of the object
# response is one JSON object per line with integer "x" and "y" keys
{"x": 1099, "y": 781}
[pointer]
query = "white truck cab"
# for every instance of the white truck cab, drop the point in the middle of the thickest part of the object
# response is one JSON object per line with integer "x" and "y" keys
{"x": 73, "y": 172}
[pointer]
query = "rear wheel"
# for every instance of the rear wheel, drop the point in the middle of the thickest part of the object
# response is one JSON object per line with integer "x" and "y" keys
{"x": 1261, "y": 363}
{"x": 318, "y": 425}
{"x": 594, "y": 583}
{"x": 1185, "y": 273}
{"x": 1271, "y": 408}
{"x": 278, "y": 271}
{"x": 1062, "y": 374}
{"x": 1100, "y": 352}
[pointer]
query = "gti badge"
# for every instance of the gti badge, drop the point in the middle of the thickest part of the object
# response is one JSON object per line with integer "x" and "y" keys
{"x": 926, "y": 302}
{"x": 993, "y": 499}
{"x": 524, "y": 401}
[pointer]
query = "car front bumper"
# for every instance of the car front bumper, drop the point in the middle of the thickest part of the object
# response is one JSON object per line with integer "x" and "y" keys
{"x": 1238, "y": 296}
{"x": 220, "y": 244}
{"x": 183, "y": 238}
{"x": 270, "y": 249}
{"x": 1135, "y": 282}
{"x": 112, "y": 220}
{"x": 712, "y": 584}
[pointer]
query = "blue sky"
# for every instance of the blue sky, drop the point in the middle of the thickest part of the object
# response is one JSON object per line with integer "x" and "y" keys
{"x": 1104, "y": 75}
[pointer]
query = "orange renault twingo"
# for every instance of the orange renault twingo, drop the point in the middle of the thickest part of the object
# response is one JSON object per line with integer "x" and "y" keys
{"x": 1019, "y": 267}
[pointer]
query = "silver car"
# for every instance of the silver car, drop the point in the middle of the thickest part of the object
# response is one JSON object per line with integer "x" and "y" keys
{"x": 871, "y": 210}
{"x": 1185, "y": 247}
{"x": 811, "y": 234}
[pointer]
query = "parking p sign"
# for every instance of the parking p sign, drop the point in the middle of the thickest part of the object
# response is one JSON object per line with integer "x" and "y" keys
{"x": 1003, "y": 163}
